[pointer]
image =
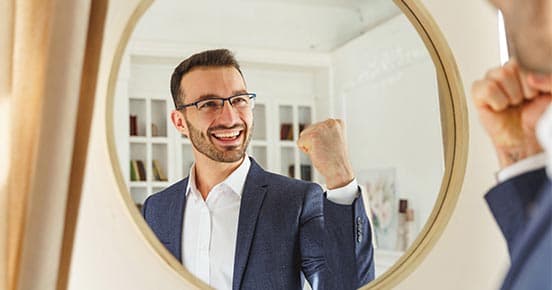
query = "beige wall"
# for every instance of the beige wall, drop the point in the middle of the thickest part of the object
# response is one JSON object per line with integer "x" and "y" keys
{"x": 471, "y": 248}
{"x": 110, "y": 252}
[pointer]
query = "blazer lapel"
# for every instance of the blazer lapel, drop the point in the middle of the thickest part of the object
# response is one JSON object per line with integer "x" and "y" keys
{"x": 175, "y": 214}
{"x": 252, "y": 198}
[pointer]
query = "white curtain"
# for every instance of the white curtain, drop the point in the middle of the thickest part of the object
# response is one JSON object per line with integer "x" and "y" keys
{"x": 6, "y": 41}
{"x": 42, "y": 51}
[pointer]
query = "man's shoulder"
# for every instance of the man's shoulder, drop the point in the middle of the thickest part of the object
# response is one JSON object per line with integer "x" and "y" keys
{"x": 278, "y": 180}
{"x": 168, "y": 194}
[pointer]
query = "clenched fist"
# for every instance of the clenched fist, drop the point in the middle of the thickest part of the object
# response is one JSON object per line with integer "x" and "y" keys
{"x": 325, "y": 144}
{"x": 510, "y": 103}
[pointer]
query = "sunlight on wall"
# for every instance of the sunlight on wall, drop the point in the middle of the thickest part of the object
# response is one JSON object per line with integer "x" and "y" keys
{"x": 502, "y": 40}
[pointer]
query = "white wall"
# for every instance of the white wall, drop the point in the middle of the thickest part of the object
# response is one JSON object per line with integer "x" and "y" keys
{"x": 388, "y": 85}
{"x": 110, "y": 252}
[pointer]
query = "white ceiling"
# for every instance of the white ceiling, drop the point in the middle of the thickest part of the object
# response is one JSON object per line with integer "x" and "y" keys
{"x": 291, "y": 25}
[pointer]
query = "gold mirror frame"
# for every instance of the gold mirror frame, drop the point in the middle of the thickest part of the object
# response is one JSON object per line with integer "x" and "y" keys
{"x": 454, "y": 123}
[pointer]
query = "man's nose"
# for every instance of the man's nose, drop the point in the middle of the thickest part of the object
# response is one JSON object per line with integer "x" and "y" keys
{"x": 228, "y": 115}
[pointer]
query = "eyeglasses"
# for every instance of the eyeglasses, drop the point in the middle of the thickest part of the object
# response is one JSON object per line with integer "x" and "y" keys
{"x": 241, "y": 102}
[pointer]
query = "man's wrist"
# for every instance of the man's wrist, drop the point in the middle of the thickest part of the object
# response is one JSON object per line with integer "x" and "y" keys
{"x": 510, "y": 155}
{"x": 341, "y": 178}
{"x": 345, "y": 194}
{"x": 522, "y": 166}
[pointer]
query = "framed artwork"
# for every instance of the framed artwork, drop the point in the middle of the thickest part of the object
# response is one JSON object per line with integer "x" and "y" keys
{"x": 380, "y": 185}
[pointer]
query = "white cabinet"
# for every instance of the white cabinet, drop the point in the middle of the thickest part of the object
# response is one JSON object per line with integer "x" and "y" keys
{"x": 277, "y": 150}
{"x": 149, "y": 145}
{"x": 292, "y": 120}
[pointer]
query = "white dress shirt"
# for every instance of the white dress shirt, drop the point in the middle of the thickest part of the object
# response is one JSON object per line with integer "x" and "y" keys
{"x": 210, "y": 226}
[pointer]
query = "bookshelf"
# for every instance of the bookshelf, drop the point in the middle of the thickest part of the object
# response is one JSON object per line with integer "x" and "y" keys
{"x": 293, "y": 118}
{"x": 274, "y": 138}
{"x": 148, "y": 146}
{"x": 259, "y": 146}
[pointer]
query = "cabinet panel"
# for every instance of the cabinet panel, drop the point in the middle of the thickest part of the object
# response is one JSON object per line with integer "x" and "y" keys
{"x": 187, "y": 158}
{"x": 139, "y": 194}
{"x": 286, "y": 122}
{"x": 259, "y": 153}
{"x": 138, "y": 119}
{"x": 159, "y": 118}
{"x": 259, "y": 129}
{"x": 287, "y": 162}
{"x": 159, "y": 162}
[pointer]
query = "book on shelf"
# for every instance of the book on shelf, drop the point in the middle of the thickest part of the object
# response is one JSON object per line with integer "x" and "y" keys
{"x": 134, "y": 171}
{"x": 137, "y": 170}
{"x": 291, "y": 171}
{"x": 154, "y": 130}
{"x": 286, "y": 131}
{"x": 305, "y": 172}
{"x": 133, "y": 125}
{"x": 158, "y": 172}
{"x": 141, "y": 170}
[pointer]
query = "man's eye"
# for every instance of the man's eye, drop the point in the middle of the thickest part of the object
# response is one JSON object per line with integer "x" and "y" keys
{"x": 209, "y": 105}
{"x": 239, "y": 101}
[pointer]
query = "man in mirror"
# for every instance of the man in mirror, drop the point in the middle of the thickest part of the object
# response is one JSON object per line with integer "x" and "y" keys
{"x": 236, "y": 226}
{"x": 513, "y": 105}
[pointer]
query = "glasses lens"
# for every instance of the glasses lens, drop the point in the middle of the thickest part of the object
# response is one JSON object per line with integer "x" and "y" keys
{"x": 209, "y": 105}
{"x": 240, "y": 101}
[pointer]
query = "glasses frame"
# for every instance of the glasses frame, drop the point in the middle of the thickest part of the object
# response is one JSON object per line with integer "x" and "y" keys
{"x": 252, "y": 97}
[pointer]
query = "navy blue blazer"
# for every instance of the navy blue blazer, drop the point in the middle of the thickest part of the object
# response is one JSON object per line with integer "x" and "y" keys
{"x": 285, "y": 227}
{"x": 522, "y": 207}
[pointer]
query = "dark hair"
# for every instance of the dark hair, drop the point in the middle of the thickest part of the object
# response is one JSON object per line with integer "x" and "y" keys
{"x": 208, "y": 58}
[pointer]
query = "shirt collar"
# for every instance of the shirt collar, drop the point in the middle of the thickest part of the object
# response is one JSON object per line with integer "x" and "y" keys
{"x": 236, "y": 179}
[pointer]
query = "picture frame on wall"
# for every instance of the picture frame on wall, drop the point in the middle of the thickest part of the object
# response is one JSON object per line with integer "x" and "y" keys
{"x": 380, "y": 185}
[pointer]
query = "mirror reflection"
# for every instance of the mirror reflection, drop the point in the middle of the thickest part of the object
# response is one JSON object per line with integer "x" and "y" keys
{"x": 306, "y": 61}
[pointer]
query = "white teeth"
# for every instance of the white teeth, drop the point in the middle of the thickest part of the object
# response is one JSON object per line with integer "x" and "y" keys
{"x": 227, "y": 135}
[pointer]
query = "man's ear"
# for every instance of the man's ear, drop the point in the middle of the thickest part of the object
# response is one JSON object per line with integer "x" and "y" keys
{"x": 179, "y": 122}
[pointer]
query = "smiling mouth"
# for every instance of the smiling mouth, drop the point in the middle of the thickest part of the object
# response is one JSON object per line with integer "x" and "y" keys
{"x": 227, "y": 136}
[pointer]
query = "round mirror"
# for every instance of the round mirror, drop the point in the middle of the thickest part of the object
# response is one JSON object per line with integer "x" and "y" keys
{"x": 380, "y": 66}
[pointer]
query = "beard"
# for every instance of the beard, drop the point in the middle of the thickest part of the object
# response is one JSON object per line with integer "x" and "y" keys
{"x": 203, "y": 144}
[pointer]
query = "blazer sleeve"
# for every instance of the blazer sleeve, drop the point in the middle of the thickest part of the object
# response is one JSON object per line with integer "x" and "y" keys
{"x": 349, "y": 231}
{"x": 335, "y": 243}
{"x": 511, "y": 201}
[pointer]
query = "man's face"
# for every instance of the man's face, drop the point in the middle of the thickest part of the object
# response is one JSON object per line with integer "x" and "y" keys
{"x": 222, "y": 136}
{"x": 529, "y": 27}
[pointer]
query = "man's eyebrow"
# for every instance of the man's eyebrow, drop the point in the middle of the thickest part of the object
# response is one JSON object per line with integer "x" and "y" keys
{"x": 207, "y": 96}
{"x": 213, "y": 96}
{"x": 239, "y": 92}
